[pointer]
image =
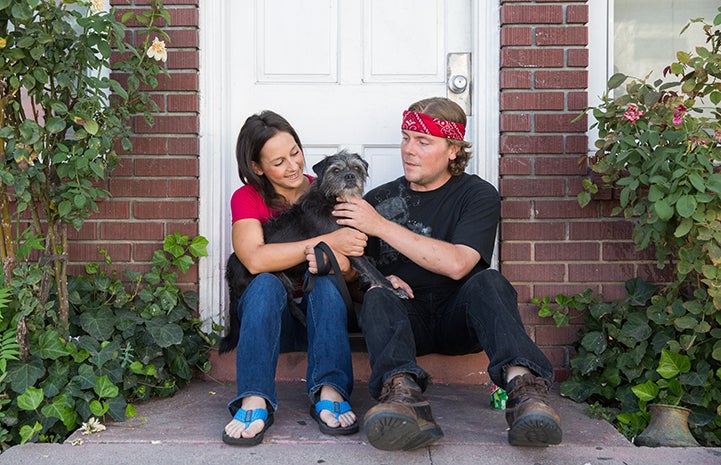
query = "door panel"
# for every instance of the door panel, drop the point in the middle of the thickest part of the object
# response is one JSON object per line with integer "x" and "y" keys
{"x": 341, "y": 71}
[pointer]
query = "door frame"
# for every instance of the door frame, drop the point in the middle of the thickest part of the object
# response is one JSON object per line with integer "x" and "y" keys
{"x": 216, "y": 145}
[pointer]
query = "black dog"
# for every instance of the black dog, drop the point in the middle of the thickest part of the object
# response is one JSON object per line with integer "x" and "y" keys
{"x": 341, "y": 175}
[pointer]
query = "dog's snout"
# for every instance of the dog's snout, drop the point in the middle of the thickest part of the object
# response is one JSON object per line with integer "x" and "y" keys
{"x": 350, "y": 176}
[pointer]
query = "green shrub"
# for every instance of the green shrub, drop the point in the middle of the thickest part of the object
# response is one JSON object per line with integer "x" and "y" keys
{"x": 130, "y": 340}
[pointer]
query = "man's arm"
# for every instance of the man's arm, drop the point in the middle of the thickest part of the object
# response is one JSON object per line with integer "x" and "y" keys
{"x": 452, "y": 260}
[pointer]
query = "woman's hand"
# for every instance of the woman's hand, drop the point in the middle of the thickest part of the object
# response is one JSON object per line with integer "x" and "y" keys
{"x": 347, "y": 241}
{"x": 345, "y": 267}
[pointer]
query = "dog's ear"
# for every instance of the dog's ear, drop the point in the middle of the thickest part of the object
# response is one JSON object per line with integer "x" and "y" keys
{"x": 365, "y": 164}
{"x": 319, "y": 168}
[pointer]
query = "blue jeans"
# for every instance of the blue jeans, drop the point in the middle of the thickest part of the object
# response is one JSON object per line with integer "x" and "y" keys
{"x": 480, "y": 315}
{"x": 267, "y": 328}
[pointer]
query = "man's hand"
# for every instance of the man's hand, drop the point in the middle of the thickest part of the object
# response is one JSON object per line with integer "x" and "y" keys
{"x": 359, "y": 214}
{"x": 398, "y": 283}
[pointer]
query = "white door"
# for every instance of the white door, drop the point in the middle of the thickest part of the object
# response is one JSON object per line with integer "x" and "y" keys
{"x": 341, "y": 72}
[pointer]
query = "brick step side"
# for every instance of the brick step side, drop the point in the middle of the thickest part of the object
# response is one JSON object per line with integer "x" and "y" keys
{"x": 444, "y": 369}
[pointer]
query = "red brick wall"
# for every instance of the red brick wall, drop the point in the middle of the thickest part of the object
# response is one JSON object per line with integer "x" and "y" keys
{"x": 548, "y": 244}
{"x": 155, "y": 187}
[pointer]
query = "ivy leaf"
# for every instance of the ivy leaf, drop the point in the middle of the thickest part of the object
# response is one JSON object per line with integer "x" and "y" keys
{"x": 673, "y": 364}
{"x": 199, "y": 246}
{"x": 30, "y": 399}
{"x": 23, "y": 375}
{"x": 576, "y": 390}
{"x": 594, "y": 341}
{"x": 27, "y": 432}
{"x": 118, "y": 408}
{"x": 108, "y": 352}
{"x": 639, "y": 291}
{"x": 99, "y": 324}
{"x": 104, "y": 388}
{"x": 646, "y": 391}
{"x": 85, "y": 377}
{"x": 60, "y": 409}
{"x": 51, "y": 345}
{"x": 165, "y": 334}
{"x": 98, "y": 408}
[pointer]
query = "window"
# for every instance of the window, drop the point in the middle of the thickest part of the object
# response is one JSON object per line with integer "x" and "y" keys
{"x": 636, "y": 37}
{"x": 646, "y": 33}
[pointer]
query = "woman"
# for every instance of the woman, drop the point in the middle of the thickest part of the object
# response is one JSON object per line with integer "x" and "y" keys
{"x": 270, "y": 163}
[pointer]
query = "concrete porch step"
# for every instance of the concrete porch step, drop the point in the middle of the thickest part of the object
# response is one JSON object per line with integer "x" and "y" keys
{"x": 464, "y": 369}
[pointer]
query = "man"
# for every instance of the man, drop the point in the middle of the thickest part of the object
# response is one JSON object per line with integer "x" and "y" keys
{"x": 432, "y": 233}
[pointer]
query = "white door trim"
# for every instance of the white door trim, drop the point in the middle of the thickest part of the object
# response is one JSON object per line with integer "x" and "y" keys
{"x": 215, "y": 150}
{"x": 213, "y": 199}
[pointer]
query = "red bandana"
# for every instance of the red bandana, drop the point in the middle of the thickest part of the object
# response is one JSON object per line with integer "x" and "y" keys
{"x": 420, "y": 122}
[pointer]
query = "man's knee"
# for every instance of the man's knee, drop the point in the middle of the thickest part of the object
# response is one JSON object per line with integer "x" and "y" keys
{"x": 376, "y": 303}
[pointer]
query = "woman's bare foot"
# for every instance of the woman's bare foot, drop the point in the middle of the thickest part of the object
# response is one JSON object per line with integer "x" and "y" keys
{"x": 345, "y": 419}
{"x": 237, "y": 429}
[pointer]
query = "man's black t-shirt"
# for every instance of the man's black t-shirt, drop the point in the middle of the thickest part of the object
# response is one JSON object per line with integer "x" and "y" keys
{"x": 465, "y": 210}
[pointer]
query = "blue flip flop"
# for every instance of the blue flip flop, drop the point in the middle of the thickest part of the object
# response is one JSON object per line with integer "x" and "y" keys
{"x": 337, "y": 408}
{"x": 247, "y": 417}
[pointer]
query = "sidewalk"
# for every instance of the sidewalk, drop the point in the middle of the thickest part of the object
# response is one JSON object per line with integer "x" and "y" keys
{"x": 186, "y": 429}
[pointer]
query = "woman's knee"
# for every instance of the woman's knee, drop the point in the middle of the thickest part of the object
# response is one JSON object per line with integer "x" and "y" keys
{"x": 266, "y": 292}
{"x": 326, "y": 293}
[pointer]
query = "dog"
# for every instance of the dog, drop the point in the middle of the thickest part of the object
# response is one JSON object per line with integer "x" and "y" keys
{"x": 341, "y": 175}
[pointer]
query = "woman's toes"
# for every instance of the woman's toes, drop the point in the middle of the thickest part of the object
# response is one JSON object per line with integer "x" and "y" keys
{"x": 329, "y": 419}
{"x": 347, "y": 419}
{"x": 253, "y": 429}
{"x": 234, "y": 429}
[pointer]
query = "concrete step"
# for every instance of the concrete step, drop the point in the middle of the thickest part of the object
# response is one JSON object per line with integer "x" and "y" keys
{"x": 444, "y": 369}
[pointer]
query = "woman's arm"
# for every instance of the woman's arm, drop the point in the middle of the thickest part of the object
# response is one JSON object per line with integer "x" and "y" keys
{"x": 259, "y": 257}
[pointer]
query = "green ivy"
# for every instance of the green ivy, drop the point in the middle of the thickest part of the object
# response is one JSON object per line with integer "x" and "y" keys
{"x": 131, "y": 339}
{"x": 628, "y": 356}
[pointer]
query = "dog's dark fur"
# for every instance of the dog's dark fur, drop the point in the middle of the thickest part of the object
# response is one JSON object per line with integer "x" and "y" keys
{"x": 341, "y": 175}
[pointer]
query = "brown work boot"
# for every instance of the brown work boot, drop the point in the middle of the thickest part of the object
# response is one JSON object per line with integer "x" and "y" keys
{"x": 532, "y": 420}
{"x": 403, "y": 419}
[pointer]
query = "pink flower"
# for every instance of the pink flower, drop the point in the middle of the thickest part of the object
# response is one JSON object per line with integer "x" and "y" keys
{"x": 678, "y": 115}
{"x": 632, "y": 113}
{"x": 717, "y": 135}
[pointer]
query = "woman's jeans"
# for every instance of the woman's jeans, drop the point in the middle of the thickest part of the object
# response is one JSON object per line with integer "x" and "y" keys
{"x": 267, "y": 328}
{"x": 481, "y": 315}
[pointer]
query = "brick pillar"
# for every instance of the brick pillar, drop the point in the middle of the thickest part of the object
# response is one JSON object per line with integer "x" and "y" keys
{"x": 155, "y": 187}
{"x": 549, "y": 244}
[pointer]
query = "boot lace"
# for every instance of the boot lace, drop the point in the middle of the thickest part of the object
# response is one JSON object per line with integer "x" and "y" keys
{"x": 529, "y": 386}
{"x": 397, "y": 389}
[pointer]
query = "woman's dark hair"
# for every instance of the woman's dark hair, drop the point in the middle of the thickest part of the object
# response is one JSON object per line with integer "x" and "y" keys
{"x": 255, "y": 132}
{"x": 443, "y": 108}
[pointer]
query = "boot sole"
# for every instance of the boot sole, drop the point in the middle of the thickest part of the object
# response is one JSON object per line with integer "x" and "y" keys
{"x": 535, "y": 430}
{"x": 393, "y": 431}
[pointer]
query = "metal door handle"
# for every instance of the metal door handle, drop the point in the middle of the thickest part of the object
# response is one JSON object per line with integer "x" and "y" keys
{"x": 459, "y": 80}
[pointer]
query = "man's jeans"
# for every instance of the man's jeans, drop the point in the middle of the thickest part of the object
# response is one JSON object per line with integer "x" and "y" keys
{"x": 267, "y": 328}
{"x": 481, "y": 315}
